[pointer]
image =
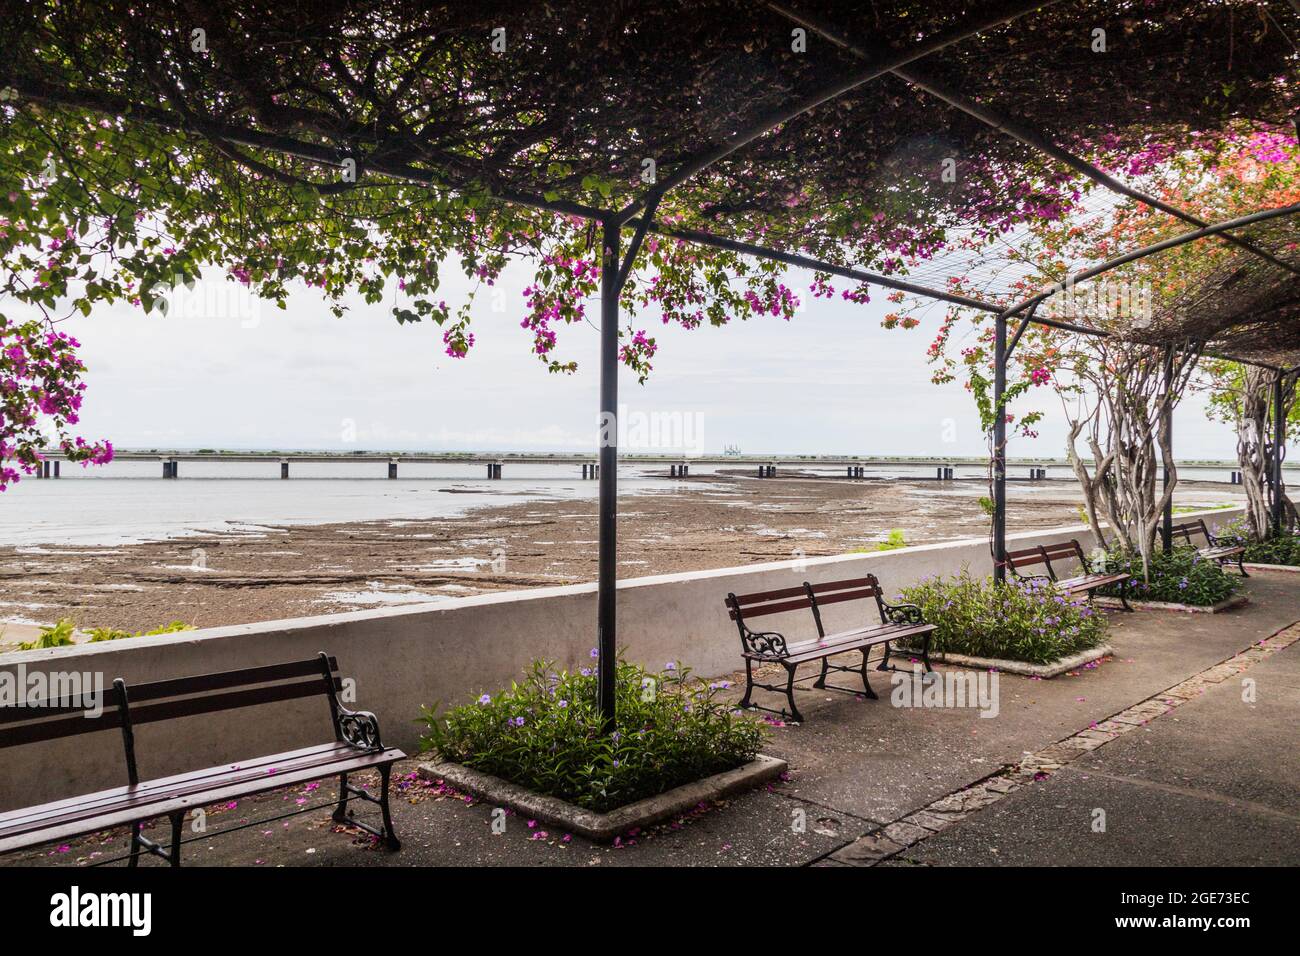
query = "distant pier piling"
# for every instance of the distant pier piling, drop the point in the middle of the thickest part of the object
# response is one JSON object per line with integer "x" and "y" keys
{"x": 679, "y": 470}
{"x": 284, "y": 468}
{"x": 392, "y": 468}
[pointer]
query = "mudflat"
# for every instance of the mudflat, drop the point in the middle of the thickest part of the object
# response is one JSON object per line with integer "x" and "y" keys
{"x": 728, "y": 520}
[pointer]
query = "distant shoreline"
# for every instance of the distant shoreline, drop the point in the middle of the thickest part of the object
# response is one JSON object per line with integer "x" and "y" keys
{"x": 258, "y": 454}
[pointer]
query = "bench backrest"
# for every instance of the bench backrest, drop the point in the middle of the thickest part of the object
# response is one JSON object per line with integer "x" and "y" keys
{"x": 833, "y": 592}
{"x": 1046, "y": 554}
{"x": 124, "y": 707}
{"x": 1189, "y": 528}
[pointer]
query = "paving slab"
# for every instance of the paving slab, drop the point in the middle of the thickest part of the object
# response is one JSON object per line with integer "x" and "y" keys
{"x": 1051, "y": 824}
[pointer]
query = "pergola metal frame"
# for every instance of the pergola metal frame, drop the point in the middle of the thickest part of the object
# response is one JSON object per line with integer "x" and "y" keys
{"x": 639, "y": 215}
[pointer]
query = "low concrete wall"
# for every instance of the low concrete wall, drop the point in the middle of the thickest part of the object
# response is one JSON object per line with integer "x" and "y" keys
{"x": 446, "y": 653}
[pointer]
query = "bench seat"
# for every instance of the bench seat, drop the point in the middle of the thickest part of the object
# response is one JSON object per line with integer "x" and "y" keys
{"x": 804, "y": 651}
{"x": 1087, "y": 582}
{"x": 1223, "y": 551}
{"x": 119, "y": 806}
{"x": 1214, "y": 549}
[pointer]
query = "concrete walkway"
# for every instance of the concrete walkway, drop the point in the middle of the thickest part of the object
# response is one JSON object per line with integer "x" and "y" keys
{"x": 1188, "y": 772}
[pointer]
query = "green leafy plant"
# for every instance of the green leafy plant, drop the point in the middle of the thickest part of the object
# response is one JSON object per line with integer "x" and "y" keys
{"x": 56, "y": 635}
{"x": 545, "y": 733}
{"x": 893, "y": 541}
{"x": 114, "y": 634}
{"x": 1179, "y": 577}
{"x": 1032, "y": 620}
{"x": 1281, "y": 549}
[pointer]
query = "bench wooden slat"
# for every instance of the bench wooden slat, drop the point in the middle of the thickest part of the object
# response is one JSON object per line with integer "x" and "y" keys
{"x": 231, "y": 700}
{"x": 853, "y": 583}
{"x": 1090, "y": 581}
{"x": 801, "y": 604}
{"x": 255, "y": 765}
{"x": 853, "y": 641}
{"x": 758, "y": 597}
{"x": 845, "y": 596}
{"x": 221, "y": 680}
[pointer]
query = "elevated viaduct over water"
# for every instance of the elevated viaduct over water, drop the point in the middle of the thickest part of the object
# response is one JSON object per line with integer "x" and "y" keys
{"x": 586, "y": 466}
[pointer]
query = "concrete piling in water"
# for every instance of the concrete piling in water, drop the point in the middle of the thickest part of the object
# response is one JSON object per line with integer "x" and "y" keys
{"x": 284, "y": 468}
{"x": 392, "y": 468}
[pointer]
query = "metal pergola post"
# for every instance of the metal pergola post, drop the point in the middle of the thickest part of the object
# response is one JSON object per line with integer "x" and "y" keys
{"x": 1279, "y": 451}
{"x": 606, "y": 595}
{"x": 1000, "y": 451}
{"x": 1167, "y": 412}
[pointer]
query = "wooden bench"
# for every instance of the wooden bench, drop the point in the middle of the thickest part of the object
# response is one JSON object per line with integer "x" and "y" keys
{"x": 771, "y": 647}
{"x": 1214, "y": 549}
{"x": 1085, "y": 582}
{"x": 355, "y": 746}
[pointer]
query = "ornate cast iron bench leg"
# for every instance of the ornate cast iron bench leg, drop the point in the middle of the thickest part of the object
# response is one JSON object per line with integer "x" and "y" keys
{"x": 341, "y": 811}
{"x": 789, "y": 693}
{"x": 866, "y": 684}
{"x": 135, "y": 844}
{"x": 821, "y": 681}
{"x": 884, "y": 661}
{"x": 390, "y": 835}
{"x": 174, "y": 851}
{"x": 1123, "y": 595}
{"x": 749, "y": 684}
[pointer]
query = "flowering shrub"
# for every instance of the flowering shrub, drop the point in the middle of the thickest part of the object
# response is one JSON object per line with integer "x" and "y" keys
{"x": 1282, "y": 549}
{"x": 1180, "y": 577}
{"x": 40, "y": 386}
{"x": 1029, "y": 621}
{"x": 545, "y": 734}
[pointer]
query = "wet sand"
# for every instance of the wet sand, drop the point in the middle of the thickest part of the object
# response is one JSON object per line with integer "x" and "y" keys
{"x": 282, "y": 572}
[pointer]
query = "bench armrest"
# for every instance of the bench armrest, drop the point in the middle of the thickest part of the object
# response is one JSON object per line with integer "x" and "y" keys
{"x": 765, "y": 643}
{"x": 360, "y": 728}
{"x": 902, "y": 613}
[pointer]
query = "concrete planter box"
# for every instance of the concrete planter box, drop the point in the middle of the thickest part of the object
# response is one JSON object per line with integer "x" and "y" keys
{"x": 1236, "y": 601}
{"x": 1287, "y": 568}
{"x": 603, "y": 827}
{"x": 1054, "y": 669}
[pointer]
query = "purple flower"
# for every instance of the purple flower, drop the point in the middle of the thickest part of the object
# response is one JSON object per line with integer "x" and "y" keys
{"x": 485, "y": 699}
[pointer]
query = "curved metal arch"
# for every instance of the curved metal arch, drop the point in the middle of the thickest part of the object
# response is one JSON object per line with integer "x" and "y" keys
{"x": 1032, "y": 302}
{"x": 768, "y": 123}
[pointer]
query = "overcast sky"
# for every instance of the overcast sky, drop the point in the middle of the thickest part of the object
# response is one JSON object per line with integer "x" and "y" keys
{"x": 222, "y": 370}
